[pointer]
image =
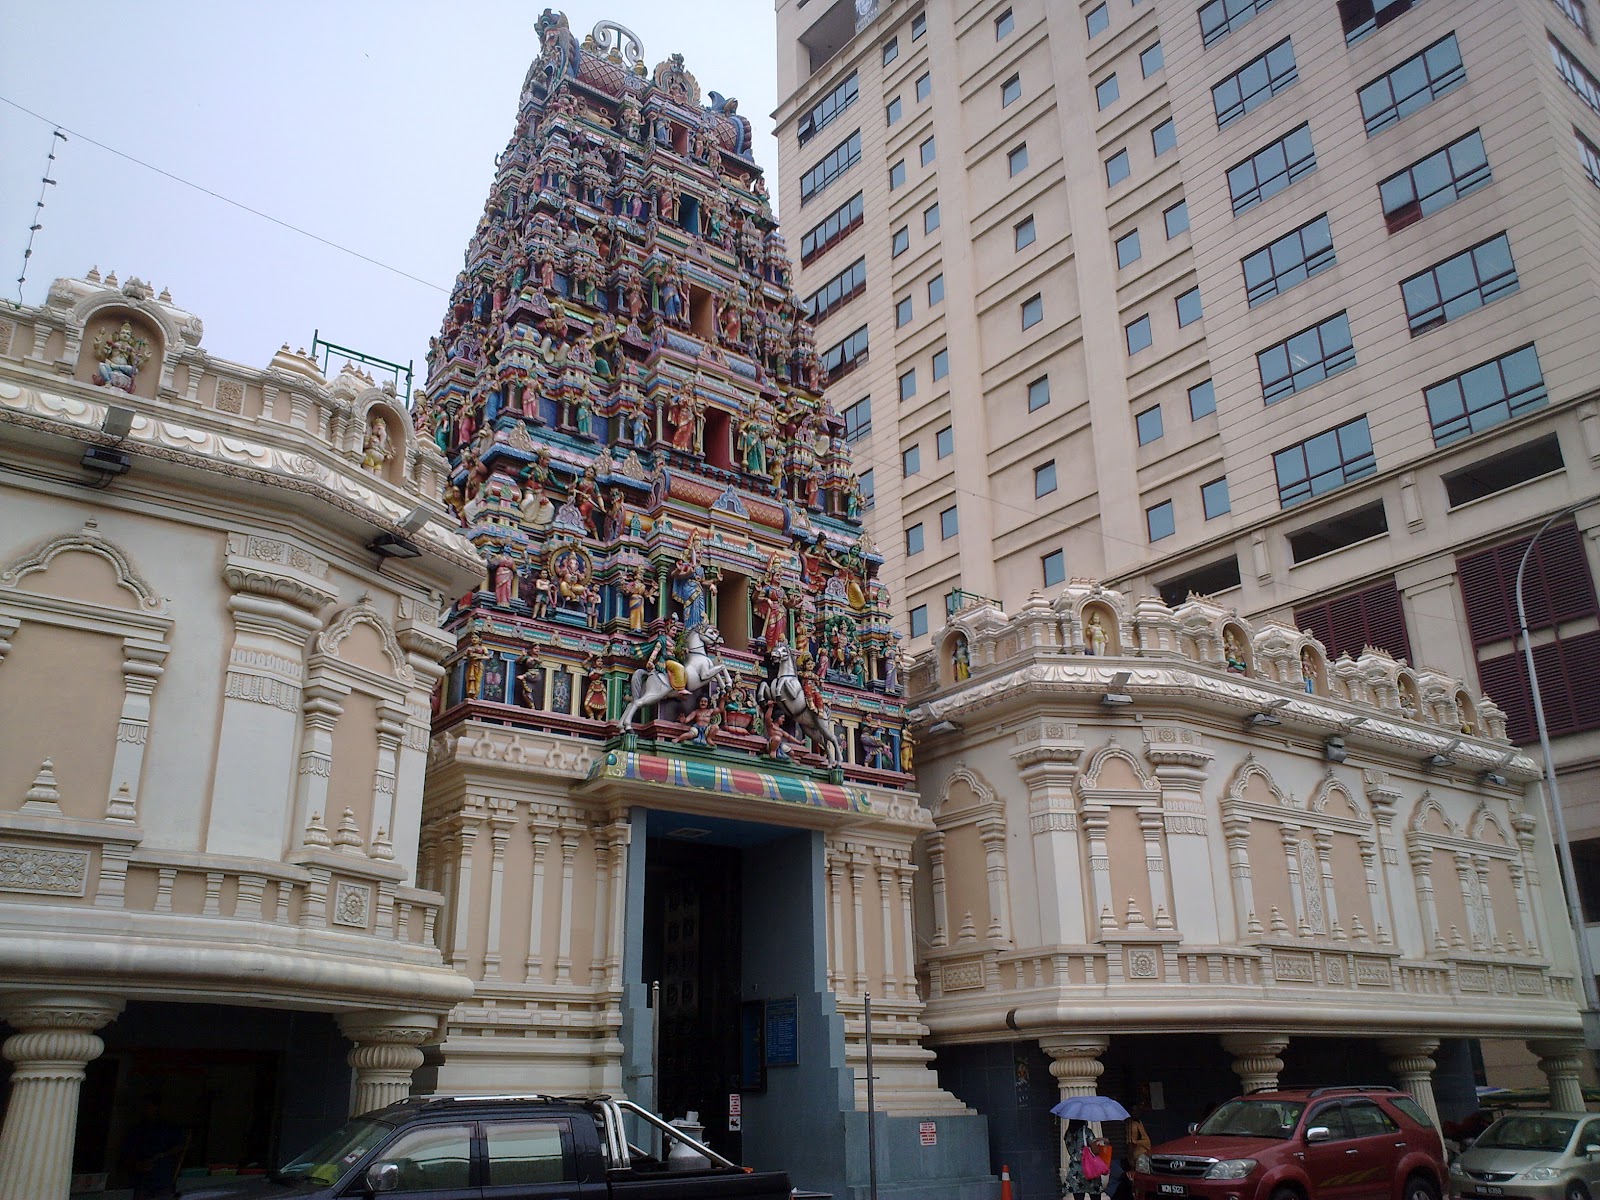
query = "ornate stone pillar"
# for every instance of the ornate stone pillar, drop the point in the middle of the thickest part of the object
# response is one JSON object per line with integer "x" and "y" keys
{"x": 386, "y": 1054}
{"x": 992, "y": 832}
{"x": 1410, "y": 1058}
{"x": 1255, "y": 1058}
{"x": 1561, "y": 1060}
{"x": 1075, "y": 1061}
{"x": 54, "y": 1044}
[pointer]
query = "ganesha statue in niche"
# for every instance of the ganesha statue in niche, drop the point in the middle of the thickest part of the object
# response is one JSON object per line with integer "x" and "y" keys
{"x": 120, "y": 355}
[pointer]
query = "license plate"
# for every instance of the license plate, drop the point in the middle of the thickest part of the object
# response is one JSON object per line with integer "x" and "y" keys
{"x": 1172, "y": 1189}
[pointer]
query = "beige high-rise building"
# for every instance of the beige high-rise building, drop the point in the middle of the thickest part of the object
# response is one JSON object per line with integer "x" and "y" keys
{"x": 1289, "y": 303}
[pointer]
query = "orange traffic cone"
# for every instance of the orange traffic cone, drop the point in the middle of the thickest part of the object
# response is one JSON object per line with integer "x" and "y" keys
{"x": 1005, "y": 1182}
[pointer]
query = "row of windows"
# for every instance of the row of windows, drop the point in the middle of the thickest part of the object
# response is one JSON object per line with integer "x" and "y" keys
{"x": 838, "y": 160}
{"x": 827, "y": 110}
{"x": 846, "y": 285}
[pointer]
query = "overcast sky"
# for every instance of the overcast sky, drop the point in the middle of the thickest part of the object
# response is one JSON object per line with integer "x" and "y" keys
{"x": 371, "y": 123}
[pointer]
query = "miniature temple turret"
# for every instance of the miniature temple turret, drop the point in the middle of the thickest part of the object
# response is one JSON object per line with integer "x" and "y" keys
{"x": 629, "y": 396}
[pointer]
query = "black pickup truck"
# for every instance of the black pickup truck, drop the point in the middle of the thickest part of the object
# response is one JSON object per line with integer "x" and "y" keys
{"x": 503, "y": 1148}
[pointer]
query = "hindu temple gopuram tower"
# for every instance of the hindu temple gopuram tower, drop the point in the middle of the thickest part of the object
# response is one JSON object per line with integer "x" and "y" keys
{"x": 669, "y": 755}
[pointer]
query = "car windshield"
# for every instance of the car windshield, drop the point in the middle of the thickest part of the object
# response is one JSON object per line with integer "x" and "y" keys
{"x": 1527, "y": 1133}
{"x": 1253, "y": 1118}
{"x": 330, "y": 1158}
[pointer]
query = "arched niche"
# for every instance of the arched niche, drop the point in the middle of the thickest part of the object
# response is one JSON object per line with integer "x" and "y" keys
{"x": 384, "y": 437}
{"x": 1237, "y": 656}
{"x": 143, "y": 346}
{"x": 1102, "y": 632}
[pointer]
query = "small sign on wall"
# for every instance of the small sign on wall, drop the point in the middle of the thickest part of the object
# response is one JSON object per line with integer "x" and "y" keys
{"x": 929, "y": 1131}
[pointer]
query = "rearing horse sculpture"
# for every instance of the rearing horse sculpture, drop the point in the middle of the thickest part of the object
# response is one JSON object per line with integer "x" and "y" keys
{"x": 699, "y": 669}
{"x": 786, "y": 694}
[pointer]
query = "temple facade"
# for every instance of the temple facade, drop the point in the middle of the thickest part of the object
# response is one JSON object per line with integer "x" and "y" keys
{"x": 669, "y": 799}
{"x": 216, "y": 695}
{"x": 1178, "y": 854}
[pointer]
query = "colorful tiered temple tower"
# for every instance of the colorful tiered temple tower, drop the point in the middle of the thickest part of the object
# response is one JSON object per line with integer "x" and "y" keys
{"x": 669, "y": 758}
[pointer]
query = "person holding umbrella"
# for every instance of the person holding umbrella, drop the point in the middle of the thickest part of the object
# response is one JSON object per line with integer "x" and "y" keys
{"x": 1088, "y": 1154}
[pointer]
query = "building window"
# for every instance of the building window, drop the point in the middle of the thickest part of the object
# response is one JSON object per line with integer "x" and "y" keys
{"x": 1189, "y": 307}
{"x": 1431, "y": 183}
{"x": 914, "y": 539}
{"x": 1363, "y": 17}
{"x": 1559, "y": 599}
{"x": 1024, "y": 232}
{"x": 1128, "y": 249}
{"x": 1098, "y": 20}
{"x": 902, "y": 312}
{"x": 1461, "y": 283}
{"x": 911, "y": 460}
{"x": 1306, "y": 358}
{"x": 908, "y": 384}
{"x": 1291, "y": 259}
{"x": 1017, "y": 159}
{"x": 893, "y": 111}
{"x": 1106, "y": 92}
{"x": 927, "y": 151}
{"x": 1011, "y": 91}
{"x": 1151, "y": 59}
{"x": 1032, "y": 311}
{"x": 1044, "y": 479}
{"x": 924, "y": 85}
{"x": 1214, "y": 498}
{"x": 1253, "y": 84}
{"x": 897, "y": 174}
{"x": 858, "y": 420}
{"x": 1148, "y": 425}
{"x": 1137, "y": 333}
{"x": 891, "y": 51}
{"x": 1271, "y": 169}
{"x": 1575, "y": 12}
{"x": 1219, "y": 18}
{"x": 930, "y": 217}
{"x": 826, "y": 111}
{"x": 832, "y": 229}
{"x": 1584, "y": 85}
{"x": 869, "y": 488}
{"x": 1117, "y": 168}
{"x": 1202, "y": 400}
{"x": 919, "y": 25}
{"x": 1372, "y": 616}
{"x": 1177, "y": 219}
{"x": 944, "y": 442}
{"x": 840, "y": 359}
{"x": 1485, "y": 395}
{"x": 935, "y": 290}
{"x": 839, "y": 160}
{"x": 941, "y": 364}
{"x": 1164, "y": 137}
{"x": 1004, "y": 24}
{"x": 1590, "y": 153}
{"x": 949, "y": 523}
{"x": 845, "y": 286}
{"x": 1326, "y": 461}
{"x": 919, "y": 620}
{"x": 1159, "y": 521}
{"x": 1038, "y": 393}
{"x": 1418, "y": 81}
{"x": 899, "y": 242}
{"x": 1054, "y": 565}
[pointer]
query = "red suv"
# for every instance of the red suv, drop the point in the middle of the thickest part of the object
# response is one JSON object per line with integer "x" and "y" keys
{"x": 1327, "y": 1143}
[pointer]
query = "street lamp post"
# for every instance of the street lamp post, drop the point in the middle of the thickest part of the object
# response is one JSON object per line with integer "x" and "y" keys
{"x": 1591, "y": 997}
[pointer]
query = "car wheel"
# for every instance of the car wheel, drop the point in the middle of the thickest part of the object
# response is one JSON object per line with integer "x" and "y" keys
{"x": 1420, "y": 1187}
{"x": 1576, "y": 1191}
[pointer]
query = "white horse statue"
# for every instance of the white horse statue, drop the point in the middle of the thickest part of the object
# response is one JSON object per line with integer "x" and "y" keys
{"x": 699, "y": 669}
{"x": 786, "y": 694}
